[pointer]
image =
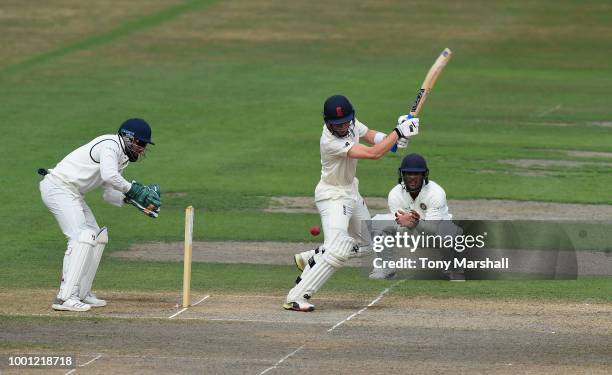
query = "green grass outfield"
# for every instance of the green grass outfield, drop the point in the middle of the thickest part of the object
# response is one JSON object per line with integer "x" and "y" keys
{"x": 234, "y": 91}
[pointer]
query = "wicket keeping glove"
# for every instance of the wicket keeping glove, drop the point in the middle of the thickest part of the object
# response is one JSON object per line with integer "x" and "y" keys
{"x": 147, "y": 198}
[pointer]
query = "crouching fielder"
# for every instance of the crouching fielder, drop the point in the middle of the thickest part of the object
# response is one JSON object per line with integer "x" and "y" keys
{"x": 98, "y": 163}
{"x": 419, "y": 204}
{"x": 337, "y": 197}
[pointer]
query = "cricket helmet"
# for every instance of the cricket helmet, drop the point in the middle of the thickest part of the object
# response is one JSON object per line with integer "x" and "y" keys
{"x": 136, "y": 135}
{"x": 413, "y": 163}
{"x": 337, "y": 111}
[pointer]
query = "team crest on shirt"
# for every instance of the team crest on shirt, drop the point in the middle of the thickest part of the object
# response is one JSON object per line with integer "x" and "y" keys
{"x": 347, "y": 144}
{"x": 423, "y": 206}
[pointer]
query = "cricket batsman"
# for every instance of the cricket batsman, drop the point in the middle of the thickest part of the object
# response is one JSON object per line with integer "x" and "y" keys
{"x": 63, "y": 188}
{"x": 337, "y": 197}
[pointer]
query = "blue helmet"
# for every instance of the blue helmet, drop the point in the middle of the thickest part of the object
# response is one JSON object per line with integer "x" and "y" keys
{"x": 337, "y": 111}
{"x": 136, "y": 135}
{"x": 136, "y": 128}
{"x": 413, "y": 163}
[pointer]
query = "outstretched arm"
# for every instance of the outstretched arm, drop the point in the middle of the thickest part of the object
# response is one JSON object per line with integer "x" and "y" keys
{"x": 406, "y": 127}
{"x": 377, "y": 151}
{"x": 372, "y": 136}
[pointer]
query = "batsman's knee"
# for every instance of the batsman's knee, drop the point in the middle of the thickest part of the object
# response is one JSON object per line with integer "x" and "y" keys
{"x": 334, "y": 260}
{"x": 102, "y": 236}
{"x": 339, "y": 249}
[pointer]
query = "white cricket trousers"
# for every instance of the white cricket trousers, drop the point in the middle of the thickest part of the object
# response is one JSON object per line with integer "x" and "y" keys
{"x": 70, "y": 210}
{"x": 346, "y": 215}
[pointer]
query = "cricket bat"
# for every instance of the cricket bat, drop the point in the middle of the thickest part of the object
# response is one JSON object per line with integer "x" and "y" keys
{"x": 426, "y": 87}
{"x": 429, "y": 82}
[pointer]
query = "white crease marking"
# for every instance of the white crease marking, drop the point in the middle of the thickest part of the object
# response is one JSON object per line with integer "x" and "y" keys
{"x": 375, "y": 301}
{"x": 185, "y": 308}
{"x": 84, "y": 364}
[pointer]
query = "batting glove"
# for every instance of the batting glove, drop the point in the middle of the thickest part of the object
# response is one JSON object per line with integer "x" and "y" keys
{"x": 407, "y": 126}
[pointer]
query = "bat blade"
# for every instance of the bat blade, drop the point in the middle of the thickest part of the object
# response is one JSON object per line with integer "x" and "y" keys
{"x": 430, "y": 80}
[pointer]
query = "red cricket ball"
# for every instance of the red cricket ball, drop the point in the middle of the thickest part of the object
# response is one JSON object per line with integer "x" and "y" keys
{"x": 315, "y": 230}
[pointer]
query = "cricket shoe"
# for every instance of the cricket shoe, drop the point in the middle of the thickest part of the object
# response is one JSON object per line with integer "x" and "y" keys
{"x": 93, "y": 301}
{"x": 382, "y": 274}
{"x": 455, "y": 275}
{"x": 71, "y": 304}
{"x": 303, "y": 306}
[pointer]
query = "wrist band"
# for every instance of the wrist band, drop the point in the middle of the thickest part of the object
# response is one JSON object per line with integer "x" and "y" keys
{"x": 378, "y": 137}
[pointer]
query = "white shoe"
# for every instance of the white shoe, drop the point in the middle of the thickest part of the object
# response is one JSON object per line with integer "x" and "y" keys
{"x": 382, "y": 274}
{"x": 93, "y": 301}
{"x": 301, "y": 305}
{"x": 71, "y": 304}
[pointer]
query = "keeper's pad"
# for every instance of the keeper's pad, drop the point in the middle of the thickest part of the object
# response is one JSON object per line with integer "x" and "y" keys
{"x": 91, "y": 267}
{"x": 313, "y": 278}
{"x": 78, "y": 259}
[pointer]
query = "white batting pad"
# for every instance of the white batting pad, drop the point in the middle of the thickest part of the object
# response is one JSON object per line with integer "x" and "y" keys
{"x": 312, "y": 280}
{"x": 361, "y": 251}
{"x": 78, "y": 258}
{"x": 339, "y": 249}
{"x": 305, "y": 255}
{"x": 93, "y": 263}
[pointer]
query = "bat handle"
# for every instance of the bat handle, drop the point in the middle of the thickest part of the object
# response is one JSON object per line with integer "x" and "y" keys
{"x": 394, "y": 148}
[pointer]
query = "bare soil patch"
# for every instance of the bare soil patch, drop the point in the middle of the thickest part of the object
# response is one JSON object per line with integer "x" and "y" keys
{"x": 528, "y": 163}
{"x": 281, "y": 253}
{"x": 587, "y": 154}
{"x": 266, "y": 252}
{"x": 605, "y": 124}
{"x": 527, "y": 173}
{"x": 471, "y": 209}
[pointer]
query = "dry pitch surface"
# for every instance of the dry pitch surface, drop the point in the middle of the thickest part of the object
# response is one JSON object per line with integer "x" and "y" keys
{"x": 249, "y": 334}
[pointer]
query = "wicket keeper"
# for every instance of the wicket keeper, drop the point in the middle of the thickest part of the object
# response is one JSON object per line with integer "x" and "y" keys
{"x": 97, "y": 163}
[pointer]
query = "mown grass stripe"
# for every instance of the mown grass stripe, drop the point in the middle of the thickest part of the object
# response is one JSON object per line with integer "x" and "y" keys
{"x": 123, "y": 30}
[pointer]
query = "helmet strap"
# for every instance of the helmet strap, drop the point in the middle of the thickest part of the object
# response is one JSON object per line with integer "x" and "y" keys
{"x": 127, "y": 150}
{"x": 424, "y": 181}
{"x": 351, "y": 129}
